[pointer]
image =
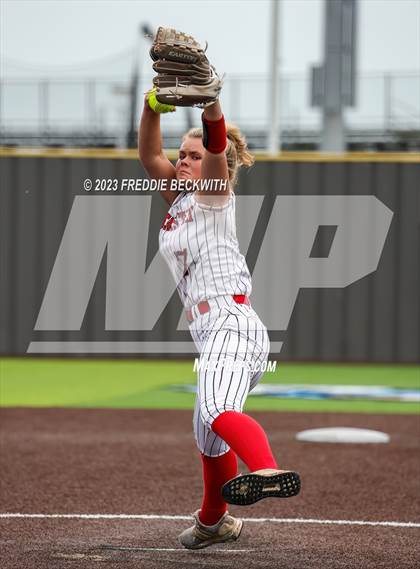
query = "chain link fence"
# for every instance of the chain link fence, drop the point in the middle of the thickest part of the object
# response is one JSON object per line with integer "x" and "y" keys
{"x": 96, "y": 111}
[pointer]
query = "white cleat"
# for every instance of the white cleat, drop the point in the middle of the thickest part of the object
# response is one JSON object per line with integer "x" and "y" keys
{"x": 198, "y": 536}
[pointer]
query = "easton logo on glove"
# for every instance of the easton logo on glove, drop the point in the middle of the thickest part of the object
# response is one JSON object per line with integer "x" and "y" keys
{"x": 182, "y": 56}
{"x": 185, "y": 77}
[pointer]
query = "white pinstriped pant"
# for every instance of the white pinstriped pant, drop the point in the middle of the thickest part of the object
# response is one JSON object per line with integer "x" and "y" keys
{"x": 230, "y": 333}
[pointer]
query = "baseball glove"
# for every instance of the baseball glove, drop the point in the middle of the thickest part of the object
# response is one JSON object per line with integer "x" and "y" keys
{"x": 184, "y": 77}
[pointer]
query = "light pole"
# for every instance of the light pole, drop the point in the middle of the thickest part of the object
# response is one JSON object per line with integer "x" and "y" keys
{"x": 333, "y": 82}
{"x": 144, "y": 31}
{"x": 273, "y": 107}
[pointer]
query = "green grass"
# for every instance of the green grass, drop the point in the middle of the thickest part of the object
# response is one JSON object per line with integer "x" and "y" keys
{"x": 31, "y": 382}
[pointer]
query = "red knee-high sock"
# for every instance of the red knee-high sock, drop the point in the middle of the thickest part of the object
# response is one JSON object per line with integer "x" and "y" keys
{"x": 216, "y": 471}
{"x": 247, "y": 438}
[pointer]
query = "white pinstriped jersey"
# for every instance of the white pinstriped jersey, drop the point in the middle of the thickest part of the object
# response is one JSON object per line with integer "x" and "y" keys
{"x": 200, "y": 245}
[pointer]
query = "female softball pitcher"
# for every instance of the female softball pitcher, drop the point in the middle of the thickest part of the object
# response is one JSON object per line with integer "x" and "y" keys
{"x": 198, "y": 240}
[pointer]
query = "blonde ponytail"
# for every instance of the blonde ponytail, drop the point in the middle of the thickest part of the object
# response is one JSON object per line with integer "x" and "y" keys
{"x": 237, "y": 153}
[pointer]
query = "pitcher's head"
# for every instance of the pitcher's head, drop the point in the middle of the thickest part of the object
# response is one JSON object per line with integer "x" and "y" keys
{"x": 191, "y": 153}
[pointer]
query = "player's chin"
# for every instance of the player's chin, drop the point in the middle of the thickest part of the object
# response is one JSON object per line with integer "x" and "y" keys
{"x": 184, "y": 176}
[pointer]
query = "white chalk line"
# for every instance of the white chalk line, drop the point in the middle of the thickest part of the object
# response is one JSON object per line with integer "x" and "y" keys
{"x": 11, "y": 515}
{"x": 173, "y": 549}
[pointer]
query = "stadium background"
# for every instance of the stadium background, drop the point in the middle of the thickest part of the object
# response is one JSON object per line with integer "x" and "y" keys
{"x": 75, "y": 430}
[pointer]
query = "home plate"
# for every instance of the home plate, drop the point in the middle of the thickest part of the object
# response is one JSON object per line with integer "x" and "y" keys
{"x": 343, "y": 435}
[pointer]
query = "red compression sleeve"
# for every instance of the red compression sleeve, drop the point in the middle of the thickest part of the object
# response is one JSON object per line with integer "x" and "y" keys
{"x": 214, "y": 135}
{"x": 246, "y": 437}
{"x": 217, "y": 470}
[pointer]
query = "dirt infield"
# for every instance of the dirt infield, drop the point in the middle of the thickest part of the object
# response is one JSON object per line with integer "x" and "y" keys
{"x": 141, "y": 462}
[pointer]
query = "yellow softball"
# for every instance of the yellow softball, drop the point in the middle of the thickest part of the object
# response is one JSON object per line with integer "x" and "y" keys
{"x": 156, "y": 106}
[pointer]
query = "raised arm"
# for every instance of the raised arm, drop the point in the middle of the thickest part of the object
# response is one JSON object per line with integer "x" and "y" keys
{"x": 186, "y": 78}
{"x": 150, "y": 149}
{"x": 214, "y": 165}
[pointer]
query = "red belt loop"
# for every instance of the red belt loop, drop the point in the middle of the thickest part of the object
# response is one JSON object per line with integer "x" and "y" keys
{"x": 203, "y": 307}
{"x": 189, "y": 316}
{"x": 241, "y": 299}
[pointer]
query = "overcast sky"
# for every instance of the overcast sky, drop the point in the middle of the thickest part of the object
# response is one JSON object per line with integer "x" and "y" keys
{"x": 49, "y": 37}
